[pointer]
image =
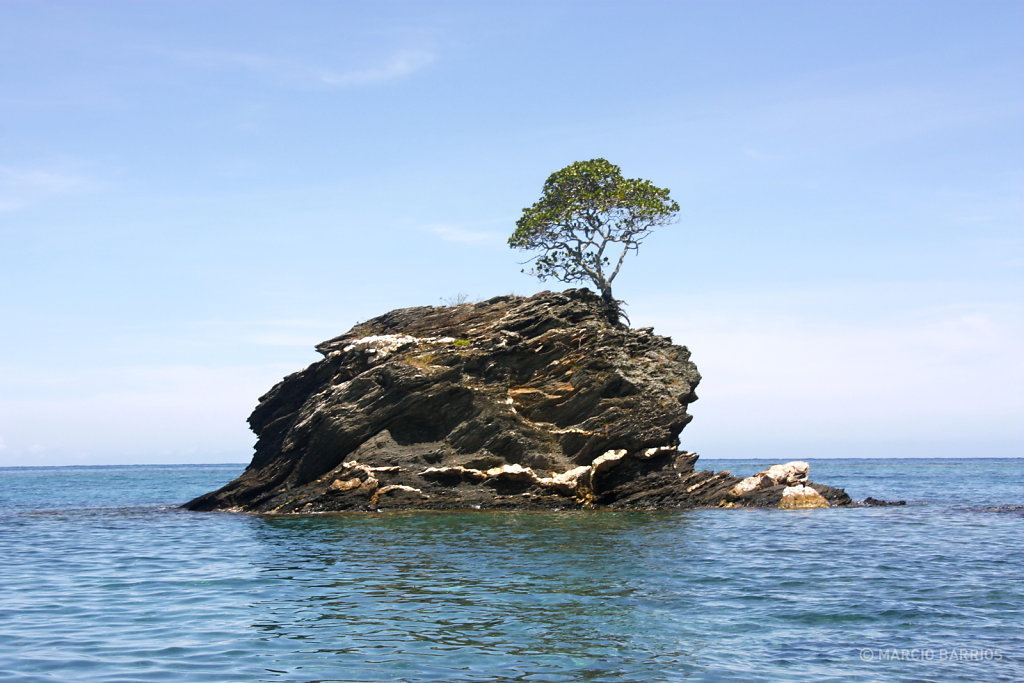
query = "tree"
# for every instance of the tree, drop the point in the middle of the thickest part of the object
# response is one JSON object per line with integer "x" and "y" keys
{"x": 587, "y": 211}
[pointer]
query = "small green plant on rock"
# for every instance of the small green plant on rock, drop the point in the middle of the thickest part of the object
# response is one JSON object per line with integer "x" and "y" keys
{"x": 422, "y": 361}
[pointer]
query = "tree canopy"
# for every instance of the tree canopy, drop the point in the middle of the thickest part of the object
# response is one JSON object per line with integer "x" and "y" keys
{"x": 586, "y": 221}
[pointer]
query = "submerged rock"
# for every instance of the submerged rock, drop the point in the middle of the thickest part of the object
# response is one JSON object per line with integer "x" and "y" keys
{"x": 515, "y": 402}
{"x": 876, "y": 502}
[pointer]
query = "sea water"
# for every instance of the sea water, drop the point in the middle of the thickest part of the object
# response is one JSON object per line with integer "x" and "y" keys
{"x": 105, "y": 579}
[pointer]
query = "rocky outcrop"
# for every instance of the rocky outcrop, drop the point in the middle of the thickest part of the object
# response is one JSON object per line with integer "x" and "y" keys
{"x": 513, "y": 402}
{"x": 801, "y": 496}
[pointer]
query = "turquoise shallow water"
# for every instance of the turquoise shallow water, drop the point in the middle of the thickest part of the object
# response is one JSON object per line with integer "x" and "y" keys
{"x": 103, "y": 579}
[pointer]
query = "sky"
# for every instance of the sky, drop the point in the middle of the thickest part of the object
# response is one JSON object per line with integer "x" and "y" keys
{"x": 194, "y": 193}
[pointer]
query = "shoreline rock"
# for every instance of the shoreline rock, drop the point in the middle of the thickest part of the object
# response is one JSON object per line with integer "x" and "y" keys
{"x": 511, "y": 403}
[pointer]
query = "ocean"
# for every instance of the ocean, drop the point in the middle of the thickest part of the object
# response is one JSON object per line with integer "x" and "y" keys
{"x": 104, "y": 579}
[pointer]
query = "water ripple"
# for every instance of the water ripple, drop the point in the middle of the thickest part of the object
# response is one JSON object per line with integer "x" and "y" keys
{"x": 150, "y": 593}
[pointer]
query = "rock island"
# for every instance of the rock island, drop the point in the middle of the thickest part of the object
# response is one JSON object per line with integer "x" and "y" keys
{"x": 537, "y": 403}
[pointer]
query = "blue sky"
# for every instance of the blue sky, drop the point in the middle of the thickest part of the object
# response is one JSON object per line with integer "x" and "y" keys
{"x": 192, "y": 194}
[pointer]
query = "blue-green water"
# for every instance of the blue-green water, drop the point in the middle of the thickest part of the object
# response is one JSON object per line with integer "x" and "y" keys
{"x": 103, "y": 579}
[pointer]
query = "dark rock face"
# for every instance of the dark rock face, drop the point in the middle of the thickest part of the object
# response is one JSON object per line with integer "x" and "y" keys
{"x": 514, "y": 402}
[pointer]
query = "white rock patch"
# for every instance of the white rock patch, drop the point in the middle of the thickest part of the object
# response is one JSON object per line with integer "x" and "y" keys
{"x": 383, "y": 345}
{"x": 790, "y": 474}
{"x": 801, "y": 496}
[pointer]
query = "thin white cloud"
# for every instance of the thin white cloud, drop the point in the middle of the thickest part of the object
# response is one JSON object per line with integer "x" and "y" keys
{"x": 452, "y": 233}
{"x": 21, "y": 187}
{"x": 400, "y": 64}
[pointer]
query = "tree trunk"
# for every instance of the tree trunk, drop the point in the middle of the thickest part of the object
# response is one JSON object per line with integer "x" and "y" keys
{"x": 611, "y": 306}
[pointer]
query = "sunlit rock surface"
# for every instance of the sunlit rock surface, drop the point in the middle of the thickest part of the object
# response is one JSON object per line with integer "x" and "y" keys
{"x": 514, "y": 402}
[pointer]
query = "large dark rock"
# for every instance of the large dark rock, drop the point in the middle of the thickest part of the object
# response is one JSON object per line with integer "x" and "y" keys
{"x": 514, "y": 402}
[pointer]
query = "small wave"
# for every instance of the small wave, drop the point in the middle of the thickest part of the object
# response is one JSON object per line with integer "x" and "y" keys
{"x": 68, "y": 512}
{"x": 1004, "y": 509}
